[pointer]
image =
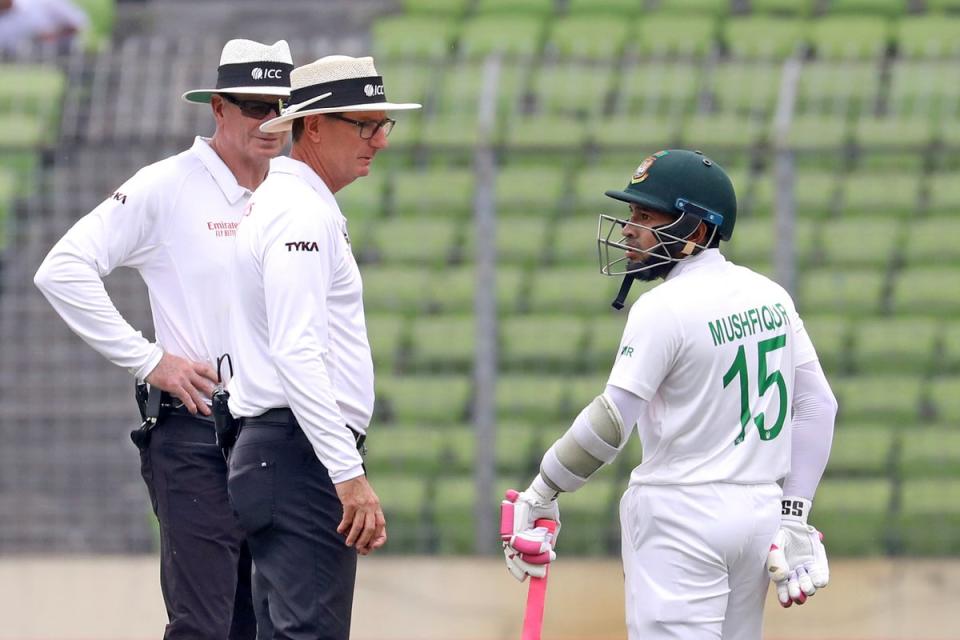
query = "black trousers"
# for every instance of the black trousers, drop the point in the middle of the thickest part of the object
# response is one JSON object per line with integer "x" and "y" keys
{"x": 205, "y": 564}
{"x": 289, "y": 510}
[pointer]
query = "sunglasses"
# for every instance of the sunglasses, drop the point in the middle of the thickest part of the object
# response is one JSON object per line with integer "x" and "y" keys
{"x": 367, "y": 128}
{"x": 256, "y": 109}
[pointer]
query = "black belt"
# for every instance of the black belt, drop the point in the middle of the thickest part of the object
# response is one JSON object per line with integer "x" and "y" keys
{"x": 283, "y": 416}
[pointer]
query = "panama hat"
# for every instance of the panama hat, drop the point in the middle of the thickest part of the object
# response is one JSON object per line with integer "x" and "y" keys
{"x": 250, "y": 67}
{"x": 339, "y": 84}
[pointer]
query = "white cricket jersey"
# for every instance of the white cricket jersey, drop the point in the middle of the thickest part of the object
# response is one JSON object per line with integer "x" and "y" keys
{"x": 299, "y": 338}
{"x": 713, "y": 350}
{"x": 174, "y": 222}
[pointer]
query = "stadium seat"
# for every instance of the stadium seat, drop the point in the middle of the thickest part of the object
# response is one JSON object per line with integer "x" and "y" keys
{"x": 442, "y": 343}
{"x": 861, "y": 451}
{"x": 664, "y": 88}
{"x": 439, "y": 191}
{"x": 546, "y": 135}
{"x": 532, "y": 398}
{"x": 929, "y": 451}
{"x": 389, "y": 288}
{"x": 887, "y": 399}
{"x": 922, "y": 290}
{"x": 604, "y": 333}
{"x": 895, "y": 345}
{"x": 950, "y": 356}
{"x": 19, "y": 131}
{"x": 928, "y": 241}
{"x": 627, "y": 133}
{"x": 719, "y": 133}
{"x": 514, "y": 8}
{"x": 453, "y": 514}
{"x": 746, "y": 87}
{"x": 413, "y": 37}
{"x": 575, "y": 242}
{"x": 520, "y": 239}
{"x": 529, "y": 191}
{"x": 445, "y": 7}
{"x": 575, "y": 290}
{"x": 943, "y": 5}
{"x": 943, "y": 195}
{"x": 814, "y": 194}
{"x": 463, "y": 86}
{"x": 875, "y": 193}
{"x": 415, "y": 450}
{"x": 834, "y": 88}
{"x": 843, "y": 37}
{"x": 695, "y": 7}
{"x": 572, "y": 89}
{"x": 852, "y": 515}
{"x": 667, "y": 34}
{"x": 452, "y": 134}
{"x": 887, "y": 140}
{"x": 831, "y": 336}
{"x": 361, "y": 201}
{"x": 889, "y": 8}
{"x": 581, "y": 390}
{"x": 411, "y": 81}
{"x": 844, "y": 242}
{"x": 590, "y": 516}
{"x": 825, "y": 134}
{"x": 930, "y": 516}
{"x": 764, "y": 37}
{"x": 799, "y": 8}
{"x": 454, "y": 289}
{"x": 520, "y": 37}
{"x": 413, "y": 239}
{"x": 923, "y": 89}
{"x": 519, "y": 448}
{"x": 424, "y": 399}
{"x": 547, "y": 343}
{"x": 828, "y": 290}
{"x": 590, "y": 37}
{"x": 755, "y": 241}
{"x": 386, "y": 332}
{"x": 928, "y": 36}
{"x": 591, "y": 183}
{"x": 945, "y": 397}
{"x": 403, "y": 498}
{"x": 622, "y": 9}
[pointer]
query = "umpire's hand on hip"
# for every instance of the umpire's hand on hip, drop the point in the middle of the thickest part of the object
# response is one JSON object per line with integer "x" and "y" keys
{"x": 363, "y": 521}
{"x": 187, "y": 380}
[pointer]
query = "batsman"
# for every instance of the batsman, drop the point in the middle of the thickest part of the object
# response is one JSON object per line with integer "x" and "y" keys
{"x": 722, "y": 383}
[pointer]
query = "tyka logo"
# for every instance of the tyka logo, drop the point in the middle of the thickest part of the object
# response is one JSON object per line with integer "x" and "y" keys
{"x": 270, "y": 74}
{"x": 116, "y": 195}
{"x": 373, "y": 90}
{"x": 302, "y": 246}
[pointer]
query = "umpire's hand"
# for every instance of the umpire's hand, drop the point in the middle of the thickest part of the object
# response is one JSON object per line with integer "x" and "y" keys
{"x": 187, "y": 380}
{"x": 363, "y": 521}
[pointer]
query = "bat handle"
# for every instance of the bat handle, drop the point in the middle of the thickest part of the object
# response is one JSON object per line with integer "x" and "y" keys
{"x": 537, "y": 595}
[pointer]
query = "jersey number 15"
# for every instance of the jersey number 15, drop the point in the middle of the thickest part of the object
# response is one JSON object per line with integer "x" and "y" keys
{"x": 739, "y": 370}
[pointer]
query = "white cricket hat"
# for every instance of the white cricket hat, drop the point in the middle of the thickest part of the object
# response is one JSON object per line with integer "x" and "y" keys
{"x": 252, "y": 68}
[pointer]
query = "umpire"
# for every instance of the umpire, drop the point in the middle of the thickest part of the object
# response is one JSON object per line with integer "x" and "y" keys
{"x": 303, "y": 388}
{"x": 175, "y": 222}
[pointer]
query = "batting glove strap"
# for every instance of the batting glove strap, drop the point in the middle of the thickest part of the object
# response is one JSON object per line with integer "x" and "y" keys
{"x": 795, "y": 509}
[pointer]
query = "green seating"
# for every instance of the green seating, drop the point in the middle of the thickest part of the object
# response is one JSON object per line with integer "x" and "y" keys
{"x": 519, "y": 240}
{"x": 391, "y": 288}
{"x": 513, "y": 8}
{"x": 764, "y": 37}
{"x": 746, "y": 87}
{"x": 412, "y": 36}
{"x": 23, "y": 131}
{"x": 818, "y": 133}
{"x": 630, "y": 134}
{"x": 754, "y": 240}
{"x": 444, "y": 7}
{"x": 893, "y": 134}
{"x": 889, "y": 8}
{"x": 852, "y": 515}
{"x": 362, "y": 200}
{"x": 928, "y": 36}
{"x": 857, "y": 292}
{"x": 665, "y": 88}
{"x": 717, "y": 132}
{"x": 588, "y": 37}
{"x": 831, "y": 335}
{"x": 581, "y": 390}
{"x": 528, "y": 190}
{"x": 929, "y": 241}
{"x": 895, "y": 345}
{"x": 837, "y": 87}
{"x": 930, "y": 516}
{"x": 943, "y": 5}
{"x": 785, "y": 7}
{"x": 622, "y": 9}
{"x": 554, "y": 134}
{"x": 860, "y": 452}
{"x": 845, "y": 244}
{"x": 930, "y": 452}
{"x": 547, "y": 343}
{"x": 453, "y": 515}
{"x": 520, "y": 447}
{"x": 695, "y": 7}
{"x": 889, "y": 193}
{"x": 457, "y": 132}
{"x": 415, "y": 450}
{"x": 814, "y": 194}
{"x": 850, "y": 37}
{"x": 666, "y": 34}
{"x": 575, "y": 242}
{"x": 575, "y": 290}
{"x": 950, "y": 356}
{"x": 603, "y": 338}
{"x": 591, "y": 183}
{"x": 403, "y": 498}
{"x": 533, "y": 398}
{"x": 943, "y": 195}
{"x": 411, "y": 239}
{"x": 423, "y": 399}
{"x": 517, "y": 38}
{"x": 463, "y": 86}
{"x": 439, "y": 191}
{"x": 386, "y": 333}
{"x": 945, "y": 397}
{"x": 886, "y": 399}
{"x": 591, "y": 518}
{"x": 574, "y": 89}
{"x": 453, "y": 290}
{"x": 409, "y": 81}
{"x": 443, "y": 343}
{"x": 922, "y": 290}
{"x": 923, "y": 89}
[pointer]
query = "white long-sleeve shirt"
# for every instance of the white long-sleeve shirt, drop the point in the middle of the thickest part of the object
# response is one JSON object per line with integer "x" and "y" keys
{"x": 174, "y": 222}
{"x": 299, "y": 338}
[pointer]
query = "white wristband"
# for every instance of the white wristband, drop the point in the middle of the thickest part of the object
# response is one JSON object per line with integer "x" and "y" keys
{"x": 793, "y": 508}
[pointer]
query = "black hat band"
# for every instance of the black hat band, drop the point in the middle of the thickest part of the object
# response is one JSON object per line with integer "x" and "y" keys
{"x": 352, "y": 91}
{"x": 254, "y": 74}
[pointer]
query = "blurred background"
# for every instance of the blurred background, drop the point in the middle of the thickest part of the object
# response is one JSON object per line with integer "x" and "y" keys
{"x": 838, "y": 120}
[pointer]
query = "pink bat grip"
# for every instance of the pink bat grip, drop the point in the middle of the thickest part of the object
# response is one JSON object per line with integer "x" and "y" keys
{"x": 536, "y": 596}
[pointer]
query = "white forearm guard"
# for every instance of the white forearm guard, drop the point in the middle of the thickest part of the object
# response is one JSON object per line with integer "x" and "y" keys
{"x": 594, "y": 439}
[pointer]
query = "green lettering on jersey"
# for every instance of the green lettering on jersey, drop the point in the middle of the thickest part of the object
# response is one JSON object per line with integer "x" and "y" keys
{"x": 749, "y": 322}
{"x": 627, "y": 351}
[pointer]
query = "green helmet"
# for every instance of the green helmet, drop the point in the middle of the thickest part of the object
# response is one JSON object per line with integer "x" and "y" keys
{"x": 678, "y": 181}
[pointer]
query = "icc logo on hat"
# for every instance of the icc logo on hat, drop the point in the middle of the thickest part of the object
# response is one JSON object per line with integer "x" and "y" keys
{"x": 373, "y": 90}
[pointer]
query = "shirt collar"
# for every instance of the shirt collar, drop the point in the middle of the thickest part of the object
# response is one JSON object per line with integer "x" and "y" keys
{"x": 706, "y": 258}
{"x": 232, "y": 190}
{"x": 288, "y": 165}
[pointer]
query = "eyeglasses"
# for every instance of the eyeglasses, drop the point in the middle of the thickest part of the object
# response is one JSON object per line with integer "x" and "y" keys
{"x": 367, "y": 128}
{"x": 256, "y": 109}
